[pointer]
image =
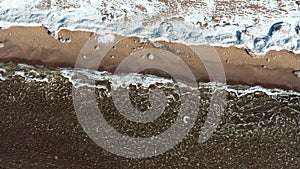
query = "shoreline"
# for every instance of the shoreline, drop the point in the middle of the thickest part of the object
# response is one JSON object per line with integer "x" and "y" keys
{"x": 39, "y": 119}
{"x": 34, "y": 45}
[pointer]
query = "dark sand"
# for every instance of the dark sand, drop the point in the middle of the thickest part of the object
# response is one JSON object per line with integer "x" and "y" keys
{"x": 39, "y": 129}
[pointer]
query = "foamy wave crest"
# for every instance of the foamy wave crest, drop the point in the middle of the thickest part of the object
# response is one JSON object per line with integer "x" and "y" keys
{"x": 258, "y": 26}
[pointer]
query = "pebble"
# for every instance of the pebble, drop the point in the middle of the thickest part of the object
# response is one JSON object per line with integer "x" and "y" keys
{"x": 96, "y": 47}
{"x": 150, "y": 56}
{"x": 297, "y": 73}
{"x": 139, "y": 47}
{"x": 259, "y": 93}
{"x": 65, "y": 40}
{"x": 1, "y": 45}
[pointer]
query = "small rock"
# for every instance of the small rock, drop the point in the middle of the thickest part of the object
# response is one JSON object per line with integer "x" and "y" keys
{"x": 264, "y": 66}
{"x": 1, "y": 45}
{"x": 65, "y": 40}
{"x": 96, "y": 47}
{"x": 112, "y": 56}
{"x": 150, "y": 56}
{"x": 178, "y": 52}
{"x": 139, "y": 47}
{"x": 297, "y": 73}
{"x": 259, "y": 93}
{"x": 157, "y": 45}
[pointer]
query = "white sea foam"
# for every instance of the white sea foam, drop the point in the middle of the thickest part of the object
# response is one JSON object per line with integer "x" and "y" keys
{"x": 2, "y": 78}
{"x": 78, "y": 79}
{"x": 116, "y": 80}
{"x": 258, "y": 25}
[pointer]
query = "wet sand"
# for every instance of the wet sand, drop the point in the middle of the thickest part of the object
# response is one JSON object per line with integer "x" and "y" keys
{"x": 34, "y": 45}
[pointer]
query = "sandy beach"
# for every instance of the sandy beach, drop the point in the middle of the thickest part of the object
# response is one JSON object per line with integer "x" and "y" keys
{"x": 34, "y": 45}
{"x": 112, "y": 84}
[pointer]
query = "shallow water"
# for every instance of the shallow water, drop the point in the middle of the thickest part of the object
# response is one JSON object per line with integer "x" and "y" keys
{"x": 40, "y": 126}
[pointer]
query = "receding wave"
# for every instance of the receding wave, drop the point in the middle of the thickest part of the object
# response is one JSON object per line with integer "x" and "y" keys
{"x": 258, "y": 121}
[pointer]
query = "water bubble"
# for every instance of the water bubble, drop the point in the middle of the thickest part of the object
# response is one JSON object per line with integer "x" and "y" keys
{"x": 186, "y": 119}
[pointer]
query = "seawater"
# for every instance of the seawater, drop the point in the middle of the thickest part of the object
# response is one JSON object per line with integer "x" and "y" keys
{"x": 37, "y": 110}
